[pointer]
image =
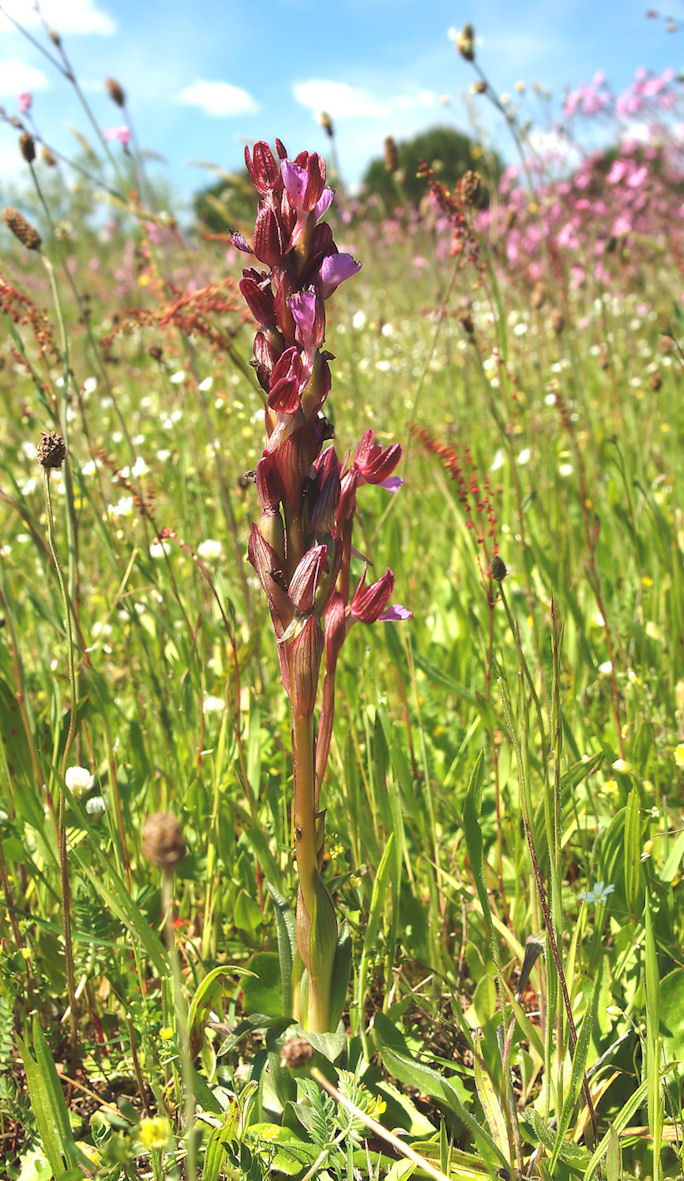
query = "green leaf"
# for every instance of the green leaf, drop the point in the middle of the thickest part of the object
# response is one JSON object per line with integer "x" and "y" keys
{"x": 287, "y": 943}
{"x": 48, "y": 1105}
{"x": 247, "y": 914}
{"x": 262, "y": 988}
{"x": 632, "y": 849}
{"x": 579, "y": 1062}
{"x": 405, "y": 1066}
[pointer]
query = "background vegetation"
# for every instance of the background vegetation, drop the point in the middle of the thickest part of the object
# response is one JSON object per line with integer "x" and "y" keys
{"x": 516, "y": 746}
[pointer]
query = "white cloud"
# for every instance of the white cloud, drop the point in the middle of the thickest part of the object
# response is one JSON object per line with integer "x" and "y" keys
{"x": 348, "y": 102}
{"x": 16, "y": 76}
{"x": 338, "y": 99}
{"x": 218, "y": 98}
{"x": 65, "y": 16}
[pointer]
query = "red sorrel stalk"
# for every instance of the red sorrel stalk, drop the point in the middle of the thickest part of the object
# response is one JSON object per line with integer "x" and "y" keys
{"x": 301, "y": 547}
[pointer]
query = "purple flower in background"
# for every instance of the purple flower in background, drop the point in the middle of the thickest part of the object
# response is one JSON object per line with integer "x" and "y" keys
{"x": 122, "y": 134}
{"x": 24, "y": 102}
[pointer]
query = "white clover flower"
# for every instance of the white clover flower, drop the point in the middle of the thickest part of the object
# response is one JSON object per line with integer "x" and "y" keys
{"x": 210, "y": 550}
{"x": 212, "y": 704}
{"x": 206, "y": 385}
{"x": 29, "y": 486}
{"x": 606, "y": 668}
{"x": 387, "y": 330}
{"x": 498, "y": 461}
{"x": 96, "y": 805}
{"x": 177, "y": 377}
{"x": 565, "y": 470}
{"x": 89, "y": 468}
{"x": 79, "y": 780}
{"x": 89, "y": 386}
{"x": 524, "y": 455}
{"x": 158, "y": 550}
{"x": 163, "y": 454}
{"x": 358, "y": 319}
{"x": 623, "y": 766}
{"x": 122, "y": 508}
{"x": 139, "y": 468}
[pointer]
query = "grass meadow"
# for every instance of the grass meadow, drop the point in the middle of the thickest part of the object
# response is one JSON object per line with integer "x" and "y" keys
{"x": 503, "y": 796}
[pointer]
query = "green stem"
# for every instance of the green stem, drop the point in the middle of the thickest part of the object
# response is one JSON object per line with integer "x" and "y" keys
{"x": 61, "y": 815}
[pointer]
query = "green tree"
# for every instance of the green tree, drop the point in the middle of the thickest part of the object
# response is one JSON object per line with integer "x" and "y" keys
{"x": 450, "y": 153}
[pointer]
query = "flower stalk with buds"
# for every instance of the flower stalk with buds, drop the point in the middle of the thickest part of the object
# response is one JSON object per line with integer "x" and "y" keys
{"x": 301, "y": 547}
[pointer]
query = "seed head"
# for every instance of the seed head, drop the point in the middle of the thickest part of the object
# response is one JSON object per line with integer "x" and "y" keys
{"x": 465, "y": 42}
{"x": 472, "y": 189}
{"x": 163, "y": 842}
{"x": 115, "y": 91}
{"x": 498, "y": 568}
{"x": 51, "y": 451}
{"x": 391, "y": 154}
{"x": 557, "y": 321}
{"x": 54, "y": 37}
{"x": 327, "y": 124}
{"x": 47, "y": 157}
{"x": 538, "y": 296}
{"x": 27, "y": 147}
{"x": 21, "y": 228}
{"x": 296, "y": 1052}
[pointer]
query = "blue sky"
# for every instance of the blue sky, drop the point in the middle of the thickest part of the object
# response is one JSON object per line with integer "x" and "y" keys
{"x": 204, "y": 77}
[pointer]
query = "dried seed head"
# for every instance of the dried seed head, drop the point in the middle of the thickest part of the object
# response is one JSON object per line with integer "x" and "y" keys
{"x": 51, "y": 451}
{"x": 296, "y": 1052}
{"x": 27, "y": 147}
{"x": 498, "y": 568}
{"x": 538, "y": 296}
{"x": 115, "y": 91}
{"x": 465, "y": 42}
{"x": 21, "y": 228}
{"x": 54, "y": 37}
{"x": 155, "y": 351}
{"x": 509, "y": 220}
{"x": 327, "y": 124}
{"x": 163, "y": 842}
{"x": 466, "y": 321}
{"x": 391, "y": 154}
{"x": 47, "y": 157}
{"x": 472, "y": 189}
{"x": 557, "y": 321}
{"x": 655, "y": 381}
{"x": 479, "y": 87}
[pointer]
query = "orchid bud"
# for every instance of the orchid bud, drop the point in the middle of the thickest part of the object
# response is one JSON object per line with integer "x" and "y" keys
{"x": 305, "y": 652}
{"x": 369, "y": 602}
{"x": 305, "y": 580}
{"x": 263, "y": 168}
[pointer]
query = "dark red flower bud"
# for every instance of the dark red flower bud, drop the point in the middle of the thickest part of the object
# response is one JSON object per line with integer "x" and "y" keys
{"x": 369, "y": 602}
{"x": 265, "y": 358}
{"x": 375, "y": 463}
{"x": 268, "y": 485}
{"x": 294, "y": 457}
{"x": 306, "y": 578}
{"x": 325, "y": 494}
{"x": 268, "y": 566}
{"x": 263, "y": 168}
{"x": 335, "y": 626}
{"x": 258, "y": 295}
{"x": 286, "y": 383}
{"x": 305, "y": 653}
{"x": 270, "y": 240}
